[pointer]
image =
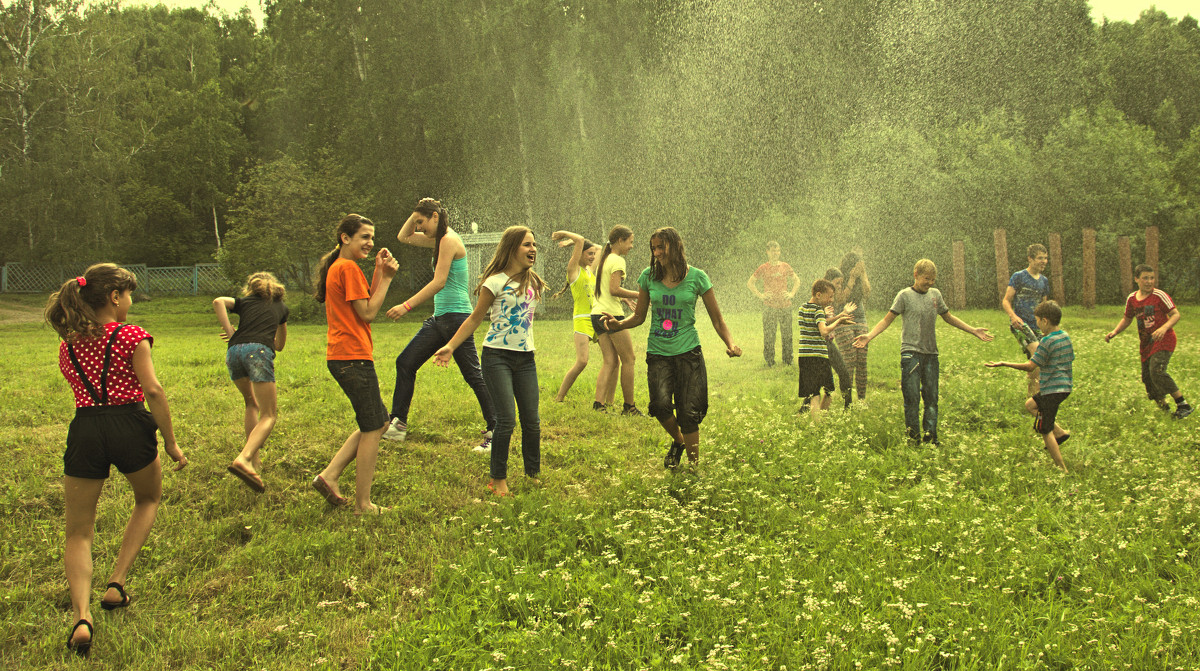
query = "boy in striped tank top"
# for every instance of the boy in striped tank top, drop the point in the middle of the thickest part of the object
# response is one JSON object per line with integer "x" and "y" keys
{"x": 1052, "y": 360}
{"x": 812, "y": 362}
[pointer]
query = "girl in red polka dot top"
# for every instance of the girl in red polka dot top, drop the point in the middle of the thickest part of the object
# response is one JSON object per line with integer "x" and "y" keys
{"x": 107, "y": 363}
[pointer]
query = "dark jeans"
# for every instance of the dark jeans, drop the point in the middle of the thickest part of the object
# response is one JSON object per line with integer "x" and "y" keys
{"x": 780, "y": 318}
{"x": 919, "y": 382}
{"x": 433, "y": 335}
{"x": 1154, "y": 376}
{"x": 839, "y": 367}
{"x": 512, "y": 376}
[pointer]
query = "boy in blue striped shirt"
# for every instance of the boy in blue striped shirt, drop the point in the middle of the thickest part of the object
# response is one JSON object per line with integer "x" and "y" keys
{"x": 1053, "y": 357}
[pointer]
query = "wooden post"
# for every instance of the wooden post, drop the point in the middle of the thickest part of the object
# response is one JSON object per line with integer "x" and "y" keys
{"x": 1152, "y": 249}
{"x": 1126, "y": 262}
{"x": 960, "y": 276}
{"x": 1056, "y": 278}
{"x": 1000, "y": 236}
{"x": 1089, "y": 267}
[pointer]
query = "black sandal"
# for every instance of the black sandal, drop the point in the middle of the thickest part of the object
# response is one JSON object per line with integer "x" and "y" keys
{"x": 81, "y": 649}
{"x": 125, "y": 598}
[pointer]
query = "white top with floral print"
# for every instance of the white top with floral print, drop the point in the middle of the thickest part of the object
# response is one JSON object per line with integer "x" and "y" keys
{"x": 511, "y": 315}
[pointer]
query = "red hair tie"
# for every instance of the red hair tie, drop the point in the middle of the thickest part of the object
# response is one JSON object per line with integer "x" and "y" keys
{"x": 81, "y": 280}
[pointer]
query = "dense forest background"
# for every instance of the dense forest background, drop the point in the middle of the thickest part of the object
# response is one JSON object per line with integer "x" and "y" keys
{"x": 147, "y": 135}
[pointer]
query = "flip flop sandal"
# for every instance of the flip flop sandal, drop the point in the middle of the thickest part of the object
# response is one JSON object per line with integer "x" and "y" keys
{"x": 252, "y": 481}
{"x": 125, "y": 598}
{"x": 81, "y": 649}
{"x": 325, "y": 490}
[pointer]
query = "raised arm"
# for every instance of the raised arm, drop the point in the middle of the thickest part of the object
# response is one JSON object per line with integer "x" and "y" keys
{"x": 222, "y": 305}
{"x": 953, "y": 320}
{"x": 565, "y": 238}
{"x": 486, "y": 297}
{"x": 408, "y": 233}
{"x": 718, "y": 322}
{"x": 156, "y": 398}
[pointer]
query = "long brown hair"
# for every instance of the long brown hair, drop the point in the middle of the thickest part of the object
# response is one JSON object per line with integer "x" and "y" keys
{"x": 264, "y": 285}
{"x": 510, "y": 243}
{"x": 676, "y": 265}
{"x": 617, "y": 234}
{"x": 430, "y": 207}
{"x": 71, "y": 311}
{"x": 348, "y": 225}
{"x": 587, "y": 244}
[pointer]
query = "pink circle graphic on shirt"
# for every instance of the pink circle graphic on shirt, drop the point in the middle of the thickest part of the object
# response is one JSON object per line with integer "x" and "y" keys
{"x": 668, "y": 325}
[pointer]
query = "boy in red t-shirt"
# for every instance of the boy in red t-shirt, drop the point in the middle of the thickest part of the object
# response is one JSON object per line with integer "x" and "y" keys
{"x": 1156, "y": 314}
{"x": 777, "y": 302}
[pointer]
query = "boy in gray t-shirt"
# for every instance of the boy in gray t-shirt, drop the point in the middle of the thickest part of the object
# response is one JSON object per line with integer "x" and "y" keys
{"x": 921, "y": 305}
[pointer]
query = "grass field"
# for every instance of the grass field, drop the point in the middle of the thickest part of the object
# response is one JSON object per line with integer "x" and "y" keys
{"x": 838, "y": 546}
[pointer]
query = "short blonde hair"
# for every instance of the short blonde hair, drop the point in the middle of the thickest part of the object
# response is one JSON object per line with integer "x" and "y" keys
{"x": 925, "y": 267}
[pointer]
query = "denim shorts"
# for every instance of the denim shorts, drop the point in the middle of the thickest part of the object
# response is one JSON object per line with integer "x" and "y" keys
{"x": 678, "y": 383}
{"x": 357, "y": 379}
{"x": 125, "y": 436}
{"x": 253, "y": 360}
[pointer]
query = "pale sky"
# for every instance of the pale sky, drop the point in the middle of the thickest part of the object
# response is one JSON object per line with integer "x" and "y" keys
{"x": 1115, "y": 10}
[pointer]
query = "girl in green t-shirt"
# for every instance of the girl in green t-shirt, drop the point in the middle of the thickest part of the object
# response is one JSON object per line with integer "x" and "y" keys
{"x": 675, "y": 370}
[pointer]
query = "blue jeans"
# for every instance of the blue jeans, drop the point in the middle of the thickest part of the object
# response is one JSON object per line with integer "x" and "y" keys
{"x": 435, "y": 333}
{"x": 512, "y": 377}
{"x": 919, "y": 382}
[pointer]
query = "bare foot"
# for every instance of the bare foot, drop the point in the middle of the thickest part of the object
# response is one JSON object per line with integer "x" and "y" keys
{"x": 370, "y": 509}
{"x": 499, "y": 488}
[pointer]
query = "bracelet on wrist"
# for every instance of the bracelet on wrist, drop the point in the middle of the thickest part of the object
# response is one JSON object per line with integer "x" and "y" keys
{"x": 407, "y": 306}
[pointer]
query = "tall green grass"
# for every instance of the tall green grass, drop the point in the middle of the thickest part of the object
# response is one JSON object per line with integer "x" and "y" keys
{"x": 792, "y": 546}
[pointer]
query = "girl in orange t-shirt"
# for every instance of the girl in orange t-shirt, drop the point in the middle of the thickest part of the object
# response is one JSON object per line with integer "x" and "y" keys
{"x": 350, "y": 306}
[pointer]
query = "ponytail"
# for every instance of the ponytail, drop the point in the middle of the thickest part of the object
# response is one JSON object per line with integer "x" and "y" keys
{"x": 349, "y": 225}
{"x": 617, "y": 234}
{"x": 71, "y": 311}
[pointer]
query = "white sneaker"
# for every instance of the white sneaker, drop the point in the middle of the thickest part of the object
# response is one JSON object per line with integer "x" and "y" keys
{"x": 396, "y": 430}
{"x": 486, "y": 446}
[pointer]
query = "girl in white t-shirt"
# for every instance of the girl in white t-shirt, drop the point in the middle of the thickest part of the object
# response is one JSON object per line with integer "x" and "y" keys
{"x": 508, "y": 296}
{"x": 616, "y": 347}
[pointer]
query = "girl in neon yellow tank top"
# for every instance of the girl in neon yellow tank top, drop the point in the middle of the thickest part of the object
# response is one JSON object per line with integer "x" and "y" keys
{"x": 580, "y": 281}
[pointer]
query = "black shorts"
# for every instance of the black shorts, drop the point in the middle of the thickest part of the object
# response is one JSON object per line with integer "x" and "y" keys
{"x": 125, "y": 436}
{"x": 598, "y": 324}
{"x": 815, "y": 374}
{"x": 678, "y": 387}
{"x": 360, "y": 384}
{"x": 1047, "y": 405}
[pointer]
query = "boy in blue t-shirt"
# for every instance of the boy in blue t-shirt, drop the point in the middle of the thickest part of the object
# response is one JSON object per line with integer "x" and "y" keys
{"x": 1052, "y": 359}
{"x": 1026, "y": 290}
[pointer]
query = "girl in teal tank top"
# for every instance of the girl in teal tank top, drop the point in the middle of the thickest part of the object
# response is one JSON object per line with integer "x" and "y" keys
{"x": 580, "y": 281}
{"x": 429, "y": 226}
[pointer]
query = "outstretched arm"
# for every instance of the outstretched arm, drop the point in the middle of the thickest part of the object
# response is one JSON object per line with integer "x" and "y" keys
{"x": 981, "y": 333}
{"x": 1121, "y": 326}
{"x": 1023, "y": 365}
{"x": 441, "y": 271}
{"x": 862, "y": 340}
{"x": 486, "y": 297}
{"x": 634, "y": 320}
{"x": 718, "y": 322}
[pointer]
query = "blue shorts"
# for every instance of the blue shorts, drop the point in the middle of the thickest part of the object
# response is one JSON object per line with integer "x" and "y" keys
{"x": 253, "y": 360}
